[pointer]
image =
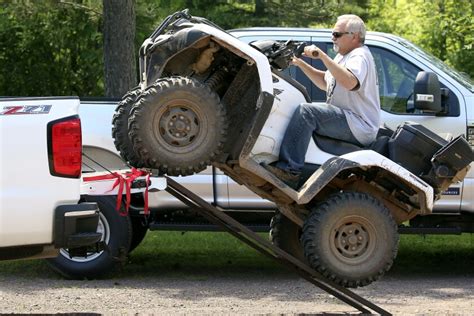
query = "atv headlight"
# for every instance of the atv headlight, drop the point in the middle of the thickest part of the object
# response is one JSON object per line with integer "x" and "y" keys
{"x": 470, "y": 135}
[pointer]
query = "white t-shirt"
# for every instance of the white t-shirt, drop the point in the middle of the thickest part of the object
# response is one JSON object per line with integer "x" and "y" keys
{"x": 361, "y": 106}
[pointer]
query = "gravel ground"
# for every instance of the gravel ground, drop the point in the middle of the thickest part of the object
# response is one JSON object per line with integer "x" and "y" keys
{"x": 236, "y": 294}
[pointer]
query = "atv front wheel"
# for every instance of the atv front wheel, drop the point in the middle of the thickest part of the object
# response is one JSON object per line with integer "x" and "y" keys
{"x": 178, "y": 126}
{"x": 351, "y": 238}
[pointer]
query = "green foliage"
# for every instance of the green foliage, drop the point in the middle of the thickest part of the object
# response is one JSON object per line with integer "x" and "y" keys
{"x": 49, "y": 48}
{"x": 54, "y": 47}
{"x": 234, "y": 14}
{"x": 445, "y": 28}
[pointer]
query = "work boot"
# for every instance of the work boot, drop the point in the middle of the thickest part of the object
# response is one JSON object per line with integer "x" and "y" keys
{"x": 289, "y": 178}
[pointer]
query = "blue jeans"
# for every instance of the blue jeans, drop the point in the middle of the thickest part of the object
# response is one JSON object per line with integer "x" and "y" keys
{"x": 307, "y": 120}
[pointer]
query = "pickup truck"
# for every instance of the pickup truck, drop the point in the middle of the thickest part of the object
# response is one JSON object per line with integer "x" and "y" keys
{"x": 398, "y": 62}
{"x": 40, "y": 172}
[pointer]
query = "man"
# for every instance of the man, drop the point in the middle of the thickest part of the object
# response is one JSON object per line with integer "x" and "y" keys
{"x": 352, "y": 112}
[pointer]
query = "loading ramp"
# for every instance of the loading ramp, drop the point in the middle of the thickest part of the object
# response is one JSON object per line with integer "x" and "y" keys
{"x": 218, "y": 217}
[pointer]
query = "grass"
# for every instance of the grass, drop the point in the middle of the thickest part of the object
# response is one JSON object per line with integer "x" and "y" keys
{"x": 435, "y": 255}
{"x": 200, "y": 255}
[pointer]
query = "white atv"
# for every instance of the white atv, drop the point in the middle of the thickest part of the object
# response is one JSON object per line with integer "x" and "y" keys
{"x": 205, "y": 98}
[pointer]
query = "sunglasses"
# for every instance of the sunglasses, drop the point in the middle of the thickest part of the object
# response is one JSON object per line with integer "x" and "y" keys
{"x": 339, "y": 34}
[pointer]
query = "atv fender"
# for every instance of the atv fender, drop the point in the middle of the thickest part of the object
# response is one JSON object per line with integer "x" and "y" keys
{"x": 187, "y": 37}
{"x": 363, "y": 160}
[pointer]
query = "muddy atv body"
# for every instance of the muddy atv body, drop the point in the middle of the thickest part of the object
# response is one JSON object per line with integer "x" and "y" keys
{"x": 205, "y": 98}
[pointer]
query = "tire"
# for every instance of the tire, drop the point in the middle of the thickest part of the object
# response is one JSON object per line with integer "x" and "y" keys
{"x": 286, "y": 235}
{"x": 117, "y": 234}
{"x": 120, "y": 128}
{"x": 139, "y": 231}
{"x": 178, "y": 126}
{"x": 351, "y": 238}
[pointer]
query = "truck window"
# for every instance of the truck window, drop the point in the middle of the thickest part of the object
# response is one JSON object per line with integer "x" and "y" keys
{"x": 396, "y": 77}
{"x": 293, "y": 71}
{"x": 297, "y": 74}
{"x": 396, "y": 80}
{"x": 318, "y": 95}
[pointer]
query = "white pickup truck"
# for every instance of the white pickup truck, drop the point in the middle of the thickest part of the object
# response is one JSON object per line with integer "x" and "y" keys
{"x": 398, "y": 62}
{"x": 40, "y": 172}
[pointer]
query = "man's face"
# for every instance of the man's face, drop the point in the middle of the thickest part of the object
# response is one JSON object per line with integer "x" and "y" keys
{"x": 343, "y": 41}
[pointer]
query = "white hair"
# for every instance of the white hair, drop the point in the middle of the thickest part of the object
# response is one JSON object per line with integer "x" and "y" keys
{"x": 354, "y": 24}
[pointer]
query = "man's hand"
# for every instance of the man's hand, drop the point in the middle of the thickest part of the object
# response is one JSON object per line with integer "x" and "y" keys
{"x": 297, "y": 61}
{"x": 312, "y": 51}
{"x": 315, "y": 75}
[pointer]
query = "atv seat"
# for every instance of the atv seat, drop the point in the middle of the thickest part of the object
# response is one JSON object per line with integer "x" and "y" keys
{"x": 339, "y": 147}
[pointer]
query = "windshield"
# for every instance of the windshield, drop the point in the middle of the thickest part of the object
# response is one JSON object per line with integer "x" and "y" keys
{"x": 459, "y": 77}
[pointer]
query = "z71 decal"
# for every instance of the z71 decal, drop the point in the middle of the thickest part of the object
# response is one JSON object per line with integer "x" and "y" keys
{"x": 25, "y": 109}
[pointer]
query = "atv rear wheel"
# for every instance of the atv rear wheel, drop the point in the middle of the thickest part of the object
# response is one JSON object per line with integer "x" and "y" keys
{"x": 178, "y": 126}
{"x": 286, "y": 235}
{"x": 351, "y": 238}
{"x": 120, "y": 128}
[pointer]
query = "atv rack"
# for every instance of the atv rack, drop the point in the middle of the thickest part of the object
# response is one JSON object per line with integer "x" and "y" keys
{"x": 214, "y": 215}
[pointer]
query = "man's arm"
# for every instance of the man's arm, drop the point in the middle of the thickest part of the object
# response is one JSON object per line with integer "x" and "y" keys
{"x": 315, "y": 75}
{"x": 343, "y": 77}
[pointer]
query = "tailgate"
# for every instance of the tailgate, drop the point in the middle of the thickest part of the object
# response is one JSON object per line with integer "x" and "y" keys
{"x": 29, "y": 193}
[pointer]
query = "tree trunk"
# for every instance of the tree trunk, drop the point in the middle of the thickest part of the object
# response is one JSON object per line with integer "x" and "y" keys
{"x": 443, "y": 40}
{"x": 259, "y": 7}
{"x": 119, "y": 48}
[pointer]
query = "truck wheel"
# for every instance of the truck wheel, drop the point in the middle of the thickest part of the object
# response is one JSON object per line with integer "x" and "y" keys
{"x": 139, "y": 231}
{"x": 120, "y": 128}
{"x": 351, "y": 238}
{"x": 286, "y": 235}
{"x": 117, "y": 234}
{"x": 178, "y": 126}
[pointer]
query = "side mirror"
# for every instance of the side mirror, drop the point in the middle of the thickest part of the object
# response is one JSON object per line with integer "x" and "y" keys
{"x": 427, "y": 92}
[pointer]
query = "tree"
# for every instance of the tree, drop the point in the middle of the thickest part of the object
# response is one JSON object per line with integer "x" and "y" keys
{"x": 119, "y": 49}
{"x": 448, "y": 34}
{"x": 50, "y": 48}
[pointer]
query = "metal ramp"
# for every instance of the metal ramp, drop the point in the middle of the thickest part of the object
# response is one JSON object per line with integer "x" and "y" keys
{"x": 264, "y": 246}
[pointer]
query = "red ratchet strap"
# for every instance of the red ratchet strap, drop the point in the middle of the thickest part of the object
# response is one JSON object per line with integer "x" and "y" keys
{"x": 125, "y": 180}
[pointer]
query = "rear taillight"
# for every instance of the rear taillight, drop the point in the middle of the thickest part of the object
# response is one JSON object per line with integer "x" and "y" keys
{"x": 65, "y": 147}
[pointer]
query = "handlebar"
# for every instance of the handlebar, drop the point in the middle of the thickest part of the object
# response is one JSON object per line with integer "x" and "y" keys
{"x": 168, "y": 20}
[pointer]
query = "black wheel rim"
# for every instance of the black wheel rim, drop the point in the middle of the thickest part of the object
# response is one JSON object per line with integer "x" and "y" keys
{"x": 179, "y": 125}
{"x": 352, "y": 239}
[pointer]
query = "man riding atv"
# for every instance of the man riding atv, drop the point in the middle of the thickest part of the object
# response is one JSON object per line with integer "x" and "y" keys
{"x": 205, "y": 98}
{"x": 352, "y": 112}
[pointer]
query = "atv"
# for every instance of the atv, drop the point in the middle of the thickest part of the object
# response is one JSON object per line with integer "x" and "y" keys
{"x": 206, "y": 98}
